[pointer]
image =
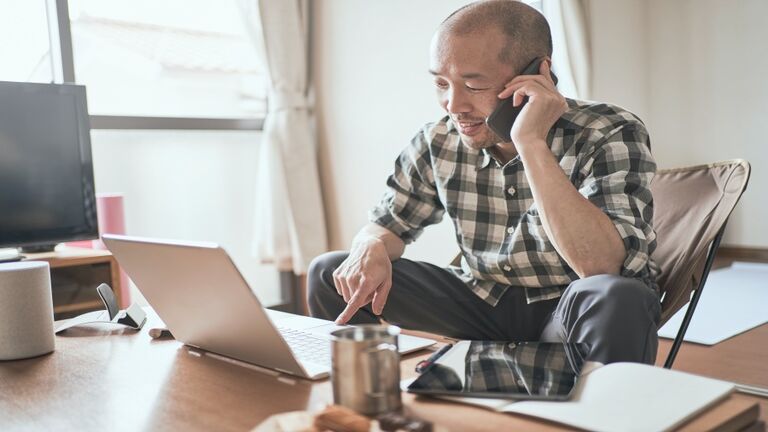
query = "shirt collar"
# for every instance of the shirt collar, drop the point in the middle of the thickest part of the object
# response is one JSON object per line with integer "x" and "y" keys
{"x": 487, "y": 158}
{"x": 484, "y": 159}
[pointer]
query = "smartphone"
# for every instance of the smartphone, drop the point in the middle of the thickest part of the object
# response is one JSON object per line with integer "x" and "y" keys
{"x": 503, "y": 117}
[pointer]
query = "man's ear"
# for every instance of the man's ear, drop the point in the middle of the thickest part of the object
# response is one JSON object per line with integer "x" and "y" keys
{"x": 548, "y": 60}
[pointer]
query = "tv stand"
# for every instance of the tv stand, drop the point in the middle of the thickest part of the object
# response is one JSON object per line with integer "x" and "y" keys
{"x": 38, "y": 248}
{"x": 75, "y": 274}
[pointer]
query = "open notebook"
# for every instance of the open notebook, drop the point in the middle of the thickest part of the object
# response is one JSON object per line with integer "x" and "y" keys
{"x": 623, "y": 397}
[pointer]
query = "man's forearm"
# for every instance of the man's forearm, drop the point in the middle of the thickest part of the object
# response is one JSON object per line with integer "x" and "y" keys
{"x": 581, "y": 233}
{"x": 376, "y": 233}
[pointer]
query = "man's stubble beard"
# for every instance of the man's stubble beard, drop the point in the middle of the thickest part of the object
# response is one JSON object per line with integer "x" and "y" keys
{"x": 490, "y": 140}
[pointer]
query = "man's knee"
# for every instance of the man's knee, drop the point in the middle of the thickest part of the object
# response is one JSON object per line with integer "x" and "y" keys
{"x": 618, "y": 316}
{"x": 320, "y": 278}
{"x": 614, "y": 294}
{"x": 322, "y": 267}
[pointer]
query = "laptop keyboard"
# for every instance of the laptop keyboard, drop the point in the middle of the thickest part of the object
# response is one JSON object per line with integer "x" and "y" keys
{"x": 307, "y": 347}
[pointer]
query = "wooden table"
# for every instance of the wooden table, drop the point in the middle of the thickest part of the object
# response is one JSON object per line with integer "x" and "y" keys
{"x": 100, "y": 379}
{"x": 742, "y": 359}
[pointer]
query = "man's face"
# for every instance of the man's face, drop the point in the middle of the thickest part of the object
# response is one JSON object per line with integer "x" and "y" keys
{"x": 468, "y": 77}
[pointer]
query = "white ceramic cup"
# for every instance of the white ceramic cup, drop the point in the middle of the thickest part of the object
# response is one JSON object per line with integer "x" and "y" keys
{"x": 26, "y": 310}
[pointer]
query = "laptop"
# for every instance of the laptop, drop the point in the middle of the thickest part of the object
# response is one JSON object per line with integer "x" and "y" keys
{"x": 202, "y": 297}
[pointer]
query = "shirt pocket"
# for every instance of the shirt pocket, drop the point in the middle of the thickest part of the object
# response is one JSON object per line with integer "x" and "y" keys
{"x": 534, "y": 232}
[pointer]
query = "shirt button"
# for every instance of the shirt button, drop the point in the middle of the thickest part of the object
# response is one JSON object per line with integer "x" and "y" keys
{"x": 511, "y": 230}
{"x": 507, "y": 268}
{"x": 511, "y": 190}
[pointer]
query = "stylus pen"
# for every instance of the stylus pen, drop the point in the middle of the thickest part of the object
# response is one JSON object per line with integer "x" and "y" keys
{"x": 424, "y": 364}
{"x": 753, "y": 390}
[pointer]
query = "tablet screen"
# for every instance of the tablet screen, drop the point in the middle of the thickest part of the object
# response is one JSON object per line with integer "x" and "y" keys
{"x": 508, "y": 370}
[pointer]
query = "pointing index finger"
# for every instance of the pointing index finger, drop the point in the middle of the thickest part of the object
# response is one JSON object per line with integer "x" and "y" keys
{"x": 346, "y": 314}
{"x": 354, "y": 304}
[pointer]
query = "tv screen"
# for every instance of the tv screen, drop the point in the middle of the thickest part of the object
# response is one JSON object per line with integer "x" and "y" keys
{"x": 46, "y": 173}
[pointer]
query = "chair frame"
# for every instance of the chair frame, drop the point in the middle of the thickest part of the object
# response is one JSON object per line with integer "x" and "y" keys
{"x": 695, "y": 298}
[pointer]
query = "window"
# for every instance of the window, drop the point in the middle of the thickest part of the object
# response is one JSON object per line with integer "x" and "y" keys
{"x": 537, "y": 4}
{"x": 147, "y": 64}
{"x": 169, "y": 58}
{"x": 24, "y": 42}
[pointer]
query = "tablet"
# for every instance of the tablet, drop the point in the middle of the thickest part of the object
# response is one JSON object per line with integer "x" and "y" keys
{"x": 504, "y": 370}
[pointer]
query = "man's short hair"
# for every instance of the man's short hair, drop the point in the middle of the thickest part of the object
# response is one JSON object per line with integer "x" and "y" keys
{"x": 526, "y": 29}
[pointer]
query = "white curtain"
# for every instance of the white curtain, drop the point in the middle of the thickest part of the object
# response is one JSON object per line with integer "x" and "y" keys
{"x": 289, "y": 223}
{"x": 571, "y": 57}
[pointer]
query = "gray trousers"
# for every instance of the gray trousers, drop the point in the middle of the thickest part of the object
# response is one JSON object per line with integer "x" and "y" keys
{"x": 617, "y": 316}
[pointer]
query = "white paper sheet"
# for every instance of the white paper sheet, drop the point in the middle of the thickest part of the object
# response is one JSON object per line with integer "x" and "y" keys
{"x": 734, "y": 300}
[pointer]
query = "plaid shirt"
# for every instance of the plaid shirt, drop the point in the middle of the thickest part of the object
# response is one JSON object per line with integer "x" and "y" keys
{"x": 603, "y": 150}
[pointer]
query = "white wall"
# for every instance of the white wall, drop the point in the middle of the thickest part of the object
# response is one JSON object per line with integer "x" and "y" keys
{"x": 374, "y": 92}
{"x": 693, "y": 70}
{"x": 709, "y": 96}
{"x": 187, "y": 185}
{"x": 619, "y": 43}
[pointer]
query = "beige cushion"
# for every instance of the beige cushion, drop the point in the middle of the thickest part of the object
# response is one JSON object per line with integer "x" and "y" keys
{"x": 691, "y": 205}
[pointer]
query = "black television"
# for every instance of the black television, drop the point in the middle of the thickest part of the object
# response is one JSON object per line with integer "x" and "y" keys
{"x": 47, "y": 193}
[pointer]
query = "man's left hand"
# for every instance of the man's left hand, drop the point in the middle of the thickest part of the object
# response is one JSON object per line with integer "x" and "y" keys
{"x": 545, "y": 105}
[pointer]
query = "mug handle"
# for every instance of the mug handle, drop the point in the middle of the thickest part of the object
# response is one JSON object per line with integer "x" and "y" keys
{"x": 373, "y": 359}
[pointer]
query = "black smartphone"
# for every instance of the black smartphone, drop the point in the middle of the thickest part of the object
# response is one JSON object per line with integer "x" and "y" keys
{"x": 503, "y": 117}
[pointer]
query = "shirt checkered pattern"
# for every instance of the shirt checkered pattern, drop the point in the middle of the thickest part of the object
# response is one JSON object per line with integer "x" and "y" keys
{"x": 603, "y": 150}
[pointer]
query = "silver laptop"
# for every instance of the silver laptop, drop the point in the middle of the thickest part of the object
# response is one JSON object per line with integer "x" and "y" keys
{"x": 199, "y": 293}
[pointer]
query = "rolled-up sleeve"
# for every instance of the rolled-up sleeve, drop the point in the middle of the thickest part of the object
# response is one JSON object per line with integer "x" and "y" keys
{"x": 410, "y": 202}
{"x": 618, "y": 184}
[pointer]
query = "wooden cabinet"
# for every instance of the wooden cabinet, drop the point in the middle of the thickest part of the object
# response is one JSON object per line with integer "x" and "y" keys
{"x": 75, "y": 274}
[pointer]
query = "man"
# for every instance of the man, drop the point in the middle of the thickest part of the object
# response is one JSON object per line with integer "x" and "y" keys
{"x": 554, "y": 227}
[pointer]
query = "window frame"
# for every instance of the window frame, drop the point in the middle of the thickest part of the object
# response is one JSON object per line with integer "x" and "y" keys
{"x": 62, "y": 62}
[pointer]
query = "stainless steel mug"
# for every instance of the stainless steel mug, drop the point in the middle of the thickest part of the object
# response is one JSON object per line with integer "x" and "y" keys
{"x": 366, "y": 368}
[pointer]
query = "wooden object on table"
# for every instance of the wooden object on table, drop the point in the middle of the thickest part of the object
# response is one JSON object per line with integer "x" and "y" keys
{"x": 740, "y": 359}
{"x": 101, "y": 378}
{"x": 733, "y": 414}
{"x": 75, "y": 274}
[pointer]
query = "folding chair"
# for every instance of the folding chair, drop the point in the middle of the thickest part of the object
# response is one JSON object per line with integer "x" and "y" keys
{"x": 691, "y": 209}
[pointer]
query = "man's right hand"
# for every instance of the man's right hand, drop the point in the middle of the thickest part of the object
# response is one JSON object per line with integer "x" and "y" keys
{"x": 364, "y": 277}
